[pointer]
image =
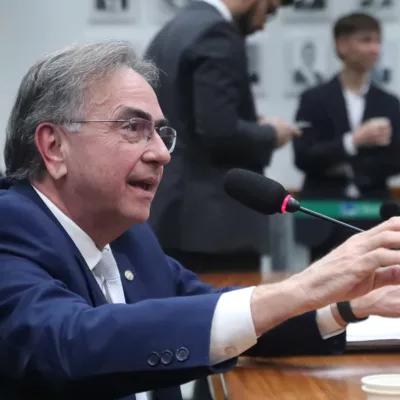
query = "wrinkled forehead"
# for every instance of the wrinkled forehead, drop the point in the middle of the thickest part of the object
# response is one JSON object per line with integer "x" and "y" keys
{"x": 125, "y": 92}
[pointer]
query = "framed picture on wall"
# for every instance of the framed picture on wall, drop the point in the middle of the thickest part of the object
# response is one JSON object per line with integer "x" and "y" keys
{"x": 163, "y": 10}
{"x": 256, "y": 68}
{"x": 382, "y": 9}
{"x": 384, "y": 73}
{"x": 306, "y": 64}
{"x": 114, "y": 11}
{"x": 308, "y": 11}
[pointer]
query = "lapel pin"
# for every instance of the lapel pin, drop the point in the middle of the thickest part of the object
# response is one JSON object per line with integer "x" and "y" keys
{"x": 129, "y": 275}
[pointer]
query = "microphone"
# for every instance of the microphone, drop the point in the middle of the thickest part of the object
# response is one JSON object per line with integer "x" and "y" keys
{"x": 389, "y": 209}
{"x": 267, "y": 196}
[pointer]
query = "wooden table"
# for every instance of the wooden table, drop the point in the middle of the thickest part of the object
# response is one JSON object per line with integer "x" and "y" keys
{"x": 219, "y": 279}
{"x": 295, "y": 378}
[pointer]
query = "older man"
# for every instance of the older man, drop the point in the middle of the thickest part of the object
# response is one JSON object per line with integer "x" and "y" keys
{"x": 89, "y": 303}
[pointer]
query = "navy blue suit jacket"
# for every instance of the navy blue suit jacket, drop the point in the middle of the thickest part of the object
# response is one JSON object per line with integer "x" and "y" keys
{"x": 59, "y": 338}
{"x": 320, "y": 148}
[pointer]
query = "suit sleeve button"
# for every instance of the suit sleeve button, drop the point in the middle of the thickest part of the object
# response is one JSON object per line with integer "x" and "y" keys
{"x": 153, "y": 359}
{"x": 167, "y": 357}
{"x": 182, "y": 354}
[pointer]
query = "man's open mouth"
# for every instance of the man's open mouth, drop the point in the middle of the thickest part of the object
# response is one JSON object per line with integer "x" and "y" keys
{"x": 144, "y": 185}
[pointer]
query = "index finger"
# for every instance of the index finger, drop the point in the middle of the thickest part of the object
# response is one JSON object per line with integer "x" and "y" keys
{"x": 392, "y": 224}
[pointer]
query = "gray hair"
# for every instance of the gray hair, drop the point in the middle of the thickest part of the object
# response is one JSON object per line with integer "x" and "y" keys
{"x": 54, "y": 90}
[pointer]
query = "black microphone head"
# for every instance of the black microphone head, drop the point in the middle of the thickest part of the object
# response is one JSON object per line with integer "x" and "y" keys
{"x": 389, "y": 209}
{"x": 255, "y": 191}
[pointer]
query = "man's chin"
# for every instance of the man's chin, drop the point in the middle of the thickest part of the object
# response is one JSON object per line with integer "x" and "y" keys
{"x": 141, "y": 217}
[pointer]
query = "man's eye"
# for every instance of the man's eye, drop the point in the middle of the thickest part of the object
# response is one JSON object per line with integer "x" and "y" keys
{"x": 132, "y": 127}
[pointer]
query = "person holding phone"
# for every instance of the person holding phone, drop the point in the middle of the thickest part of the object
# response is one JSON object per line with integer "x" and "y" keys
{"x": 351, "y": 146}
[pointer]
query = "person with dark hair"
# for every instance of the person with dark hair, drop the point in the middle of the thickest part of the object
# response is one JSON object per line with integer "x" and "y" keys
{"x": 352, "y": 144}
{"x": 206, "y": 92}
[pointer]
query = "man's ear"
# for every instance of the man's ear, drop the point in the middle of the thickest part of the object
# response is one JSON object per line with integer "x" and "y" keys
{"x": 49, "y": 142}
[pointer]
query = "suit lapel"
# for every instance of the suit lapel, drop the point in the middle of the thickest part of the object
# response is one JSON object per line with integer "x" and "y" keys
{"x": 128, "y": 274}
{"x": 371, "y": 104}
{"x": 134, "y": 288}
{"x": 95, "y": 294}
{"x": 337, "y": 106}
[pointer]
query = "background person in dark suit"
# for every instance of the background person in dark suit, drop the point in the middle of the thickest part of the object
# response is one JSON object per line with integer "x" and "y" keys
{"x": 307, "y": 75}
{"x": 205, "y": 92}
{"x": 352, "y": 145}
{"x": 89, "y": 303}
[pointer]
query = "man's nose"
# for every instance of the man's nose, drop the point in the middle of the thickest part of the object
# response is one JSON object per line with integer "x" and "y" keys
{"x": 157, "y": 151}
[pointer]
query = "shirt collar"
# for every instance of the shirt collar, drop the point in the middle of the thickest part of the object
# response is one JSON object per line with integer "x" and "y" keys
{"x": 364, "y": 88}
{"x": 222, "y": 8}
{"x": 81, "y": 239}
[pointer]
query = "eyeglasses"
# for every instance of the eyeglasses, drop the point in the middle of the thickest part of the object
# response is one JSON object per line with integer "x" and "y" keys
{"x": 140, "y": 130}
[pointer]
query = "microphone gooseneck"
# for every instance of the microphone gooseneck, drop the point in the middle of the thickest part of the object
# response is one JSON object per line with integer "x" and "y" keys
{"x": 333, "y": 220}
{"x": 267, "y": 196}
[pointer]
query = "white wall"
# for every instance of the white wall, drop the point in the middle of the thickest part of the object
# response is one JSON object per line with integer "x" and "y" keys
{"x": 31, "y": 28}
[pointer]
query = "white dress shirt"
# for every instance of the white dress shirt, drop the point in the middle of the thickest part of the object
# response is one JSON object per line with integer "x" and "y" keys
{"x": 355, "y": 106}
{"x": 222, "y": 8}
{"x": 91, "y": 254}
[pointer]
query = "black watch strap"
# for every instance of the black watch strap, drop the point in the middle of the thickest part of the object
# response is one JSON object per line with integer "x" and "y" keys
{"x": 345, "y": 311}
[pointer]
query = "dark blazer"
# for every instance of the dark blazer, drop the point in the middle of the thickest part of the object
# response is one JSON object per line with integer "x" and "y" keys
{"x": 60, "y": 339}
{"x": 319, "y": 151}
{"x": 320, "y": 148}
{"x": 205, "y": 93}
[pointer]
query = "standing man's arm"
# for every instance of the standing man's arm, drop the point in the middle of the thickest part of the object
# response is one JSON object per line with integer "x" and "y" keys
{"x": 318, "y": 149}
{"x": 217, "y": 77}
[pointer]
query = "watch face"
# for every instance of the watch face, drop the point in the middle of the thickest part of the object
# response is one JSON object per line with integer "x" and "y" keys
{"x": 177, "y": 3}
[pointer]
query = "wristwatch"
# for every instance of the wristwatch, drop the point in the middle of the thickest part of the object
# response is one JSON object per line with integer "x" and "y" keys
{"x": 345, "y": 311}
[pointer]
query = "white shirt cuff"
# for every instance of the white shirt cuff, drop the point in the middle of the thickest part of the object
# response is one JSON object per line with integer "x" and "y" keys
{"x": 327, "y": 325}
{"x": 348, "y": 144}
{"x": 232, "y": 329}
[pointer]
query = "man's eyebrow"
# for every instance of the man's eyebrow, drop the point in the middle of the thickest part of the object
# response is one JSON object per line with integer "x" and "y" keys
{"x": 127, "y": 113}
